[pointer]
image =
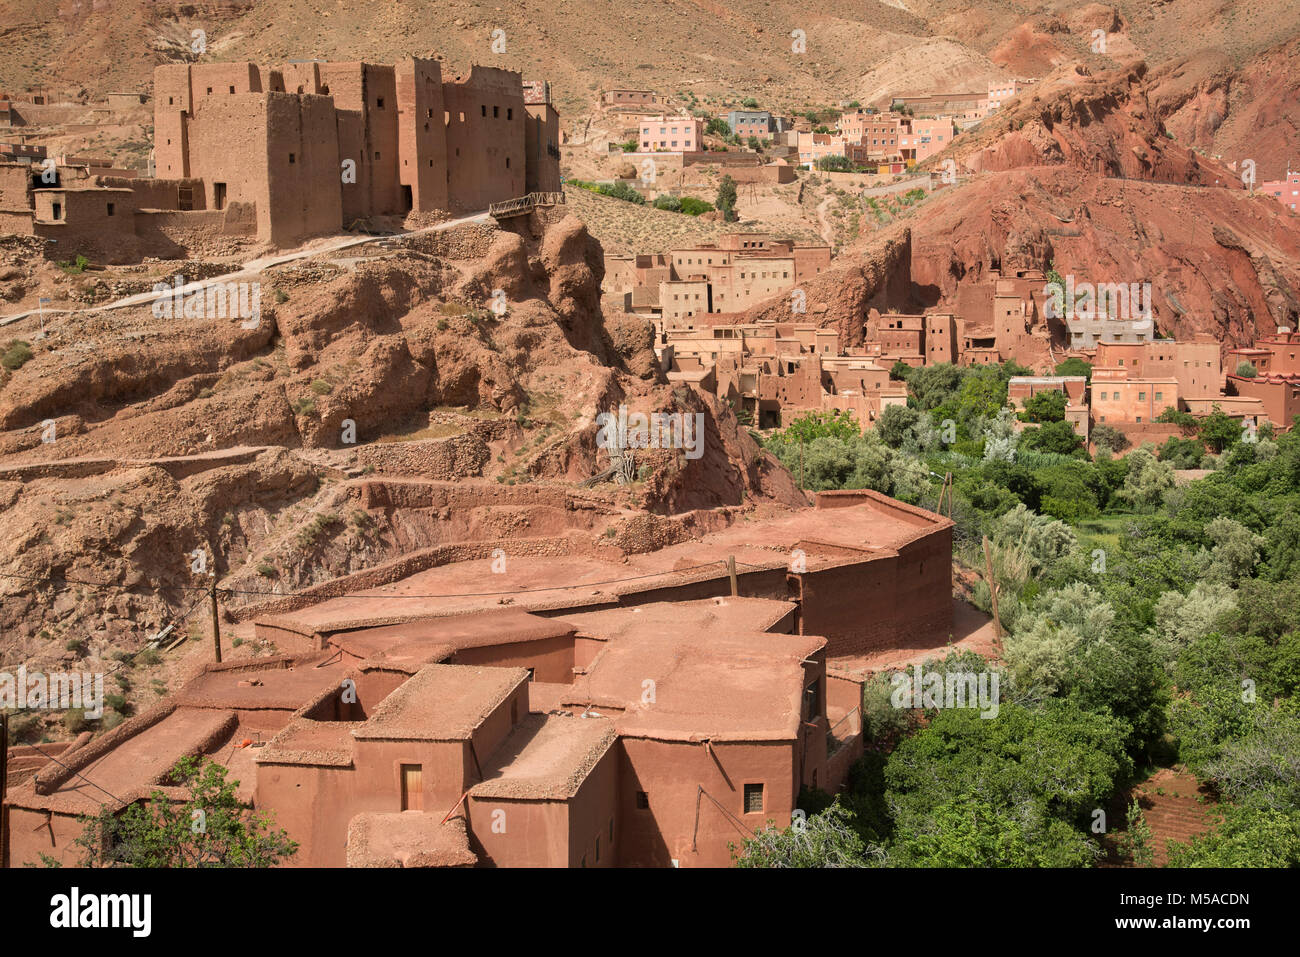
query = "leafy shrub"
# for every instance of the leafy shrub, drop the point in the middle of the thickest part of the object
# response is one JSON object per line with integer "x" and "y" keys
{"x": 16, "y": 353}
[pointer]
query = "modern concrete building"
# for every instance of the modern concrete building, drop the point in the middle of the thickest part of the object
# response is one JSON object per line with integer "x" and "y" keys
{"x": 672, "y": 134}
{"x": 1285, "y": 190}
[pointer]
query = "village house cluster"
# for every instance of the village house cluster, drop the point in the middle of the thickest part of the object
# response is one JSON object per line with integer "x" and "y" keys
{"x": 649, "y": 712}
{"x": 280, "y": 154}
{"x": 912, "y": 130}
{"x": 890, "y": 142}
{"x": 732, "y": 318}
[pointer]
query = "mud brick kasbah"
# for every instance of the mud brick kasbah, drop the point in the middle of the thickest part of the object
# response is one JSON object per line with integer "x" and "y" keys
{"x": 653, "y": 721}
{"x": 280, "y": 154}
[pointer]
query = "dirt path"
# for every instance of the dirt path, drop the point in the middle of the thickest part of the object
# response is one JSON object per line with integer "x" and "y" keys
{"x": 827, "y": 231}
{"x": 1169, "y": 803}
{"x": 255, "y": 267}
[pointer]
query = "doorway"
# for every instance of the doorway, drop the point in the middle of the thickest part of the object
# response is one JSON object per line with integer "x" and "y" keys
{"x": 412, "y": 787}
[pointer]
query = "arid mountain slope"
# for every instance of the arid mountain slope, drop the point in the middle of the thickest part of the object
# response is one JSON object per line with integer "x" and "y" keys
{"x": 1218, "y": 261}
{"x": 711, "y": 47}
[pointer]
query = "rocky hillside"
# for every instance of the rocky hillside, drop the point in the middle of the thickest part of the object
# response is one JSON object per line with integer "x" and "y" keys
{"x": 129, "y": 443}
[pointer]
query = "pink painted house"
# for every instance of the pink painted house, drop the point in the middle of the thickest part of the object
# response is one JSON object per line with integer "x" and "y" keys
{"x": 676, "y": 134}
{"x": 1285, "y": 191}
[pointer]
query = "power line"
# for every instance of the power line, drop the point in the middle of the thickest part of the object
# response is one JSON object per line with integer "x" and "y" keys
{"x": 77, "y": 773}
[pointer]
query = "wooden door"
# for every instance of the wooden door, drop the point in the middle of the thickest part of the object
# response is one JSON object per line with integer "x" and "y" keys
{"x": 412, "y": 788}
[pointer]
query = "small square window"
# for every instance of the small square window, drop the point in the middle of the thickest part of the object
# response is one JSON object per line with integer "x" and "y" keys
{"x": 753, "y": 798}
{"x": 642, "y": 801}
{"x": 496, "y": 112}
{"x": 232, "y": 89}
{"x": 292, "y": 158}
{"x": 483, "y": 109}
{"x": 379, "y": 102}
{"x": 110, "y": 209}
{"x": 376, "y": 154}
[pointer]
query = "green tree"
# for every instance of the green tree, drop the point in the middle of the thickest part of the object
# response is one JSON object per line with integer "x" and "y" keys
{"x": 1109, "y": 439}
{"x": 1247, "y": 370}
{"x": 1040, "y": 647}
{"x": 1057, "y": 437}
{"x": 1218, "y": 431}
{"x": 717, "y": 127}
{"x": 1244, "y": 837}
{"x": 1182, "y": 619}
{"x": 1182, "y": 453}
{"x": 1074, "y": 366}
{"x": 1147, "y": 480}
{"x": 935, "y": 385}
{"x": 212, "y": 828}
{"x": 1235, "y": 552}
{"x": 821, "y": 424}
{"x": 900, "y": 371}
{"x": 1173, "y": 416}
{"x": 1046, "y": 406}
{"x": 983, "y": 392}
{"x": 969, "y": 831}
{"x": 1043, "y": 769}
{"x": 895, "y": 423}
{"x": 1135, "y": 842}
{"x": 834, "y": 164}
{"x": 726, "y": 199}
{"x": 827, "y": 839}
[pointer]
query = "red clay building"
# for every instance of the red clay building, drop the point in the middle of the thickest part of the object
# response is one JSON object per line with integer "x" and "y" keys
{"x": 651, "y": 721}
{"x": 281, "y": 154}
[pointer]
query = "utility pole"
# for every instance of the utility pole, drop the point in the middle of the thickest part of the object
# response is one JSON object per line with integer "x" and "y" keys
{"x": 216, "y": 621}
